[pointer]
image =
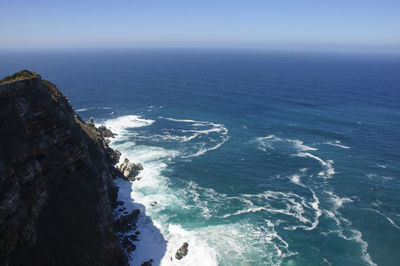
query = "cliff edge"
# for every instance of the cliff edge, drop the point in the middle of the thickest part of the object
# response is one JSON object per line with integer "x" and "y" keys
{"x": 56, "y": 180}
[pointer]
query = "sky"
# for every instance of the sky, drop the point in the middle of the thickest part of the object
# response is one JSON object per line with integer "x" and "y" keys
{"x": 315, "y": 24}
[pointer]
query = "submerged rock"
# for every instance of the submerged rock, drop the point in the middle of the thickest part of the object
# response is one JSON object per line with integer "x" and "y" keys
{"x": 130, "y": 170}
{"x": 147, "y": 263}
{"x": 182, "y": 251}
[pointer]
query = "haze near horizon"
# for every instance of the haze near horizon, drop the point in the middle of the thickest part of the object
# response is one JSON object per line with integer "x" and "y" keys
{"x": 356, "y": 25}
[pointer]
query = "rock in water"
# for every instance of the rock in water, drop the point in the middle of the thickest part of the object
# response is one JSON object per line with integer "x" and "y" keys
{"x": 182, "y": 251}
{"x": 105, "y": 132}
{"x": 147, "y": 263}
{"x": 56, "y": 180}
{"x": 130, "y": 170}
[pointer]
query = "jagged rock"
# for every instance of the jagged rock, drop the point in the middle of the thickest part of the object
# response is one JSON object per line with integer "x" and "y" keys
{"x": 153, "y": 203}
{"x": 127, "y": 243}
{"x": 182, "y": 251}
{"x": 98, "y": 136}
{"x": 56, "y": 180}
{"x": 127, "y": 222}
{"x": 114, "y": 155}
{"x": 130, "y": 170}
{"x": 105, "y": 132}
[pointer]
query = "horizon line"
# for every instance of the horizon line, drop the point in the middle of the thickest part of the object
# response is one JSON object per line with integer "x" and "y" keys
{"x": 353, "y": 49}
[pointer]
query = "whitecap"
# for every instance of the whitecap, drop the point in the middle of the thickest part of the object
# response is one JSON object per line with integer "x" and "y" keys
{"x": 81, "y": 110}
{"x": 387, "y": 218}
{"x": 300, "y": 145}
{"x": 92, "y": 108}
{"x": 204, "y": 150}
{"x": 267, "y": 142}
{"x": 328, "y": 171}
{"x": 295, "y": 179}
{"x": 120, "y": 124}
{"x": 337, "y": 143}
{"x": 340, "y": 221}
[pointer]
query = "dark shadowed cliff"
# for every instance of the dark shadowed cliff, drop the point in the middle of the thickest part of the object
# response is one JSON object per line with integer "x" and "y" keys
{"x": 56, "y": 188}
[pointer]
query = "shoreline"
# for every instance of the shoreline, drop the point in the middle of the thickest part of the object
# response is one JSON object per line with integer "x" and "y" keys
{"x": 158, "y": 240}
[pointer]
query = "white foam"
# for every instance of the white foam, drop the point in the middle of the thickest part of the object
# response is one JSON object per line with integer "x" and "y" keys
{"x": 338, "y": 201}
{"x": 300, "y": 145}
{"x": 199, "y": 130}
{"x": 298, "y": 207}
{"x": 303, "y": 170}
{"x": 307, "y": 154}
{"x": 200, "y": 253}
{"x": 236, "y": 240}
{"x": 350, "y": 234}
{"x": 154, "y": 186}
{"x": 295, "y": 179}
{"x": 375, "y": 176}
{"x": 337, "y": 144}
{"x": 204, "y": 150}
{"x": 328, "y": 171}
{"x": 186, "y": 139}
{"x": 93, "y": 108}
{"x": 267, "y": 142}
{"x": 357, "y": 237}
{"x": 387, "y": 218}
{"x": 159, "y": 233}
{"x": 318, "y": 213}
{"x": 120, "y": 124}
{"x": 295, "y": 206}
{"x": 180, "y": 120}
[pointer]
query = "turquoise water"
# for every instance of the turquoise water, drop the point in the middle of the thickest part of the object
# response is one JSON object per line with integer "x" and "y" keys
{"x": 254, "y": 158}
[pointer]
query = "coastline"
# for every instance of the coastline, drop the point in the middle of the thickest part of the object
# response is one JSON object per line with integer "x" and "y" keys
{"x": 158, "y": 240}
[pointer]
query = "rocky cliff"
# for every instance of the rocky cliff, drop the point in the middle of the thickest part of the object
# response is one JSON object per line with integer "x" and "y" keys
{"x": 56, "y": 188}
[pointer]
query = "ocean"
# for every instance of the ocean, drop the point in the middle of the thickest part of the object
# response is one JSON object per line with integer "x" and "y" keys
{"x": 251, "y": 157}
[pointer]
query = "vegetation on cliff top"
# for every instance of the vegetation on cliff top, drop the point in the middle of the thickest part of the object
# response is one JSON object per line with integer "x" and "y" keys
{"x": 22, "y": 75}
{"x": 26, "y": 74}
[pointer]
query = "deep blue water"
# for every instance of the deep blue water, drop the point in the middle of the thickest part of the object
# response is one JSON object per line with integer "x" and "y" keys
{"x": 253, "y": 157}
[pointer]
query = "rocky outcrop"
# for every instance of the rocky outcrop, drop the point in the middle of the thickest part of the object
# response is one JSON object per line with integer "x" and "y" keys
{"x": 127, "y": 222}
{"x": 105, "y": 132}
{"x": 182, "y": 251}
{"x": 56, "y": 188}
{"x": 130, "y": 170}
{"x": 98, "y": 135}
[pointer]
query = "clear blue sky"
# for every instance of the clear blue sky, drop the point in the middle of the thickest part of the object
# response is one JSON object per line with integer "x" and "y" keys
{"x": 32, "y": 24}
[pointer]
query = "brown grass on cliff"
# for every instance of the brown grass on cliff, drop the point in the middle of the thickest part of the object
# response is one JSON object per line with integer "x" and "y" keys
{"x": 22, "y": 75}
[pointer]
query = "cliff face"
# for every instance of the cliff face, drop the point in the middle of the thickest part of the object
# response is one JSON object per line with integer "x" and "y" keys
{"x": 56, "y": 188}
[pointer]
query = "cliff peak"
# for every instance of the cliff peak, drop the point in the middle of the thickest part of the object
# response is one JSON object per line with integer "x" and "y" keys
{"x": 21, "y": 75}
